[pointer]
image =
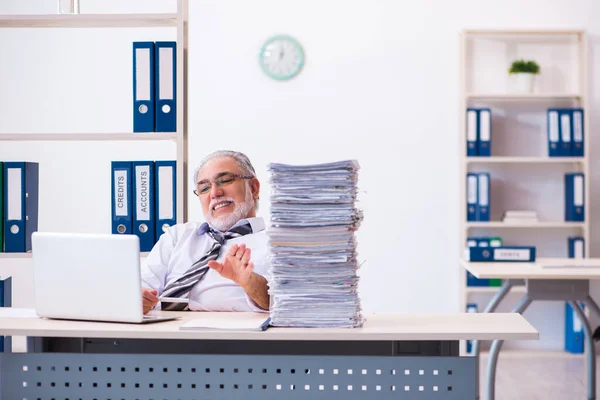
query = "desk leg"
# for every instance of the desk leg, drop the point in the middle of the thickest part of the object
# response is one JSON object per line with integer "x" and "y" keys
{"x": 490, "y": 308}
{"x": 592, "y": 306}
{"x": 591, "y": 353}
{"x": 495, "y": 351}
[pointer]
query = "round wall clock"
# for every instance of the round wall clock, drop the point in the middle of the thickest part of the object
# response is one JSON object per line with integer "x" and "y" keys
{"x": 281, "y": 57}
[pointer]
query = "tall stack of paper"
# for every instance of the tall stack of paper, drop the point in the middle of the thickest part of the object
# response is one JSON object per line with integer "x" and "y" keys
{"x": 312, "y": 245}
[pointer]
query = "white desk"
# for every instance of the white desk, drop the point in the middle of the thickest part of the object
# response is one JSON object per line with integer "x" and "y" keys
{"x": 378, "y": 326}
{"x": 259, "y": 374}
{"x": 569, "y": 283}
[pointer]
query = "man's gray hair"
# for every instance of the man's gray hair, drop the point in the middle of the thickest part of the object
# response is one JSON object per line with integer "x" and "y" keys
{"x": 242, "y": 160}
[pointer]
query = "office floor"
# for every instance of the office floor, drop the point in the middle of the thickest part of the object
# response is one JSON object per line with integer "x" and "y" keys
{"x": 531, "y": 375}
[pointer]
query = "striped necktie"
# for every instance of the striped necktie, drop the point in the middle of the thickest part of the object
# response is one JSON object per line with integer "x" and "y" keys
{"x": 184, "y": 284}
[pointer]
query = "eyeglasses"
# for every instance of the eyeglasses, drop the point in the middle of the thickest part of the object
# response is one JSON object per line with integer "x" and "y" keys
{"x": 223, "y": 180}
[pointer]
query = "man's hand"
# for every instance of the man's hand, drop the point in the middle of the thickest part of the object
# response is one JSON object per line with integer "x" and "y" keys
{"x": 236, "y": 265}
{"x": 149, "y": 299}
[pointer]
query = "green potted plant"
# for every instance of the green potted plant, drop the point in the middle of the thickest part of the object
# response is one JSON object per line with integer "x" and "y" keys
{"x": 523, "y": 73}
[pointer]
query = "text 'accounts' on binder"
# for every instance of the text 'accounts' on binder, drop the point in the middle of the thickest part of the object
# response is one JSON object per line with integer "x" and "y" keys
{"x": 143, "y": 200}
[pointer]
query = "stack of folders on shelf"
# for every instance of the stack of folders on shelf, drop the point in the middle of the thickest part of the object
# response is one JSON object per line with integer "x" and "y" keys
{"x": 502, "y": 254}
{"x": 483, "y": 242}
{"x": 478, "y": 196}
{"x": 5, "y": 301}
{"x": 565, "y": 132}
{"x": 479, "y": 132}
{"x": 19, "y": 187}
{"x": 154, "y": 87}
{"x": 520, "y": 217}
{"x": 143, "y": 199}
{"x": 312, "y": 246}
{"x": 574, "y": 197}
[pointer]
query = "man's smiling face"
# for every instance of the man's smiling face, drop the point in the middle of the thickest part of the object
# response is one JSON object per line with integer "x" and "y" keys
{"x": 225, "y": 205}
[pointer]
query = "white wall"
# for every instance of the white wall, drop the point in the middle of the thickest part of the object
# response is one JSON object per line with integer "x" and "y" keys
{"x": 380, "y": 85}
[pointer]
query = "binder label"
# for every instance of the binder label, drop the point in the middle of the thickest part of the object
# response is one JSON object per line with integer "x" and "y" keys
{"x": 565, "y": 121}
{"x": 121, "y": 200}
{"x": 484, "y": 126}
{"x": 14, "y": 199}
{"x": 578, "y": 190}
{"x": 472, "y": 126}
{"x": 165, "y": 73}
{"x": 553, "y": 127}
{"x": 142, "y": 173}
{"x": 578, "y": 249}
{"x": 511, "y": 254}
{"x": 165, "y": 193}
{"x": 472, "y": 189}
{"x": 142, "y": 69}
{"x": 577, "y": 127}
{"x": 577, "y": 325}
{"x": 483, "y": 190}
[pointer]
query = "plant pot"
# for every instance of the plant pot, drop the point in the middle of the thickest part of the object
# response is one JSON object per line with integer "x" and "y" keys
{"x": 523, "y": 82}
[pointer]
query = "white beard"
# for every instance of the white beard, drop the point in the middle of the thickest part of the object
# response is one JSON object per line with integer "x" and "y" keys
{"x": 240, "y": 211}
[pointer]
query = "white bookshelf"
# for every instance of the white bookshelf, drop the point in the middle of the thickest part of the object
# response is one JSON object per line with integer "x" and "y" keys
{"x": 485, "y": 57}
{"x": 178, "y": 21}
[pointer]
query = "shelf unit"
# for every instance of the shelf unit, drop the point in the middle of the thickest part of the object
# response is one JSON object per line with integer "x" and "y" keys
{"x": 179, "y": 21}
{"x": 472, "y": 79}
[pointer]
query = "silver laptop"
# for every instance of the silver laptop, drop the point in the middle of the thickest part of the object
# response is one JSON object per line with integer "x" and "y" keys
{"x": 92, "y": 277}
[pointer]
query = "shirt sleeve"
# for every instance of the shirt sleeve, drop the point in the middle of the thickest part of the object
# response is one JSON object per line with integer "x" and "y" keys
{"x": 156, "y": 267}
{"x": 261, "y": 267}
{"x": 254, "y": 306}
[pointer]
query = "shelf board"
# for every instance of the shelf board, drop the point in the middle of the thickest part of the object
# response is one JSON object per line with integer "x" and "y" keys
{"x": 544, "y": 32}
{"x": 488, "y": 289}
{"x": 524, "y": 160}
{"x": 541, "y": 224}
{"x": 87, "y": 136}
{"x": 524, "y": 96}
{"x": 88, "y": 21}
{"x": 10, "y": 256}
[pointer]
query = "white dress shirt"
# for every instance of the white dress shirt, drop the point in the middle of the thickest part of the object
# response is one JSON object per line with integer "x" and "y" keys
{"x": 184, "y": 244}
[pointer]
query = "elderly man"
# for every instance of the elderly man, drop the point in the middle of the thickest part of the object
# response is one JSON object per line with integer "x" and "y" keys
{"x": 219, "y": 265}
